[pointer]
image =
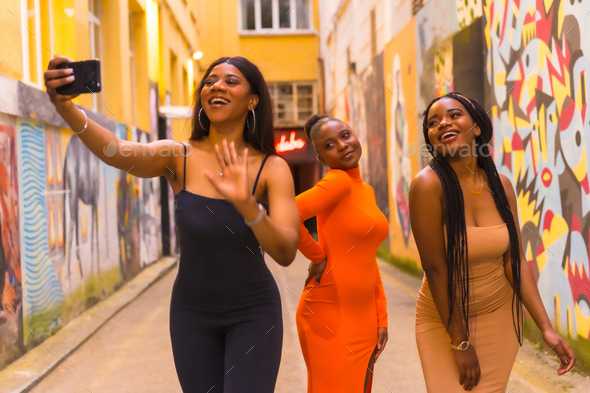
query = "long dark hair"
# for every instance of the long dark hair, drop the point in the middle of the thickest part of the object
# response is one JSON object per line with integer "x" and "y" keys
{"x": 457, "y": 265}
{"x": 262, "y": 137}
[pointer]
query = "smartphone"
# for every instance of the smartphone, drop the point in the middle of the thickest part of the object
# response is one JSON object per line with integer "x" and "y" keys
{"x": 87, "y": 80}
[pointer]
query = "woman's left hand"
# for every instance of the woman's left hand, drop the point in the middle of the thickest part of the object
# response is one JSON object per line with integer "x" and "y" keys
{"x": 562, "y": 349}
{"x": 382, "y": 337}
{"x": 234, "y": 183}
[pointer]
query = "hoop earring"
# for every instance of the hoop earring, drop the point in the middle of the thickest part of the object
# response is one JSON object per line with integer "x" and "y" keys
{"x": 254, "y": 116}
{"x": 201, "y": 124}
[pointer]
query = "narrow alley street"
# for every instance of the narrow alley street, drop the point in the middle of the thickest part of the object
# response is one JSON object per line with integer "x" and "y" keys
{"x": 132, "y": 352}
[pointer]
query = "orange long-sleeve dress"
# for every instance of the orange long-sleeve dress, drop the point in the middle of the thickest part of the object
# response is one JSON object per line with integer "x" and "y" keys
{"x": 337, "y": 320}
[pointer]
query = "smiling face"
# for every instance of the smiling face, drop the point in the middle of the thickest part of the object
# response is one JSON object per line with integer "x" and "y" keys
{"x": 337, "y": 146}
{"x": 226, "y": 96}
{"x": 450, "y": 126}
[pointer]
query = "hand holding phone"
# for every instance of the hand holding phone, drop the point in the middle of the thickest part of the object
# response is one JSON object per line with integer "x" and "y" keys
{"x": 87, "y": 78}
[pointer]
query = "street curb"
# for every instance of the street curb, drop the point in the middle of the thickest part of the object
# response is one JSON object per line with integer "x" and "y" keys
{"x": 27, "y": 371}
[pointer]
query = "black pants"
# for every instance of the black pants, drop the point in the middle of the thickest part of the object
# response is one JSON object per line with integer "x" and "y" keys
{"x": 229, "y": 354}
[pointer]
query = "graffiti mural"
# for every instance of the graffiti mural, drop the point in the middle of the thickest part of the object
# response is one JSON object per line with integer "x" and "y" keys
{"x": 468, "y": 11}
{"x": 400, "y": 102}
{"x": 43, "y": 297}
{"x": 537, "y": 66}
{"x": 10, "y": 270}
{"x": 68, "y": 220}
{"x": 354, "y": 113}
{"x": 374, "y": 96}
{"x": 81, "y": 181}
{"x": 400, "y": 163}
{"x": 150, "y": 231}
{"x": 87, "y": 263}
{"x": 435, "y": 22}
{"x": 443, "y": 68}
{"x": 128, "y": 190}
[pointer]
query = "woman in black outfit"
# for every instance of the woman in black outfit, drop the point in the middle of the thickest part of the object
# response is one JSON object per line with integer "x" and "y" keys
{"x": 225, "y": 316}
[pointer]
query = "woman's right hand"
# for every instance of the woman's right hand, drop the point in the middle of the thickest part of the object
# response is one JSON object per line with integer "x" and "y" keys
{"x": 316, "y": 269}
{"x": 55, "y": 78}
{"x": 469, "y": 371}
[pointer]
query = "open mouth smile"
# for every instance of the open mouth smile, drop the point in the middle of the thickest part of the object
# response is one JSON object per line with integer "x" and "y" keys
{"x": 449, "y": 136}
{"x": 218, "y": 101}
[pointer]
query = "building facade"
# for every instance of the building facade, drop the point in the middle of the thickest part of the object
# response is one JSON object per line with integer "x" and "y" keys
{"x": 72, "y": 229}
{"x": 281, "y": 37}
{"x": 527, "y": 62}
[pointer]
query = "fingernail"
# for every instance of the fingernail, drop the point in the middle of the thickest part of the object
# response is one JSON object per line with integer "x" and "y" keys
{"x": 378, "y": 346}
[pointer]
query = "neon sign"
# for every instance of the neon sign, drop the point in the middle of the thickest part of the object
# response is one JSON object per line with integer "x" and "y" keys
{"x": 285, "y": 145}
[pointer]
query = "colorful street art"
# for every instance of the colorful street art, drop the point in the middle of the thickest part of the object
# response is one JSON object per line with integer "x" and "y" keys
{"x": 398, "y": 161}
{"x": 468, "y": 11}
{"x": 400, "y": 102}
{"x": 443, "y": 68}
{"x": 354, "y": 114}
{"x": 374, "y": 96}
{"x": 87, "y": 264}
{"x": 537, "y": 67}
{"x": 81, "y": 236}
{"x": 128, "y": 190}
{"x": 435, "y": 23}
{"x": 81, "y": 182}
{"x": 43, "y": 297}
{"x": 150, "y": 231}
{"x": 10, "y": 270}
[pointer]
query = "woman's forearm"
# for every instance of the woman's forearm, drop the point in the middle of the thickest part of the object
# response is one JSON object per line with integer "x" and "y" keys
{"x": 95, "y": 137}
{"x": 437, "y": 281}
{"x": 279, "y": 242}
{"x": 143, "y": 160}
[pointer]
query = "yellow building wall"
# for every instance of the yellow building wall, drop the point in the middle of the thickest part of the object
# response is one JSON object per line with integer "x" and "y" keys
{"x": 159, "y": 28}
{"x": 401, "y": 125}
{"x": 116, "y": 65}
{"x": 142, "y": 86}
{"x": 284, "y": 57}
{"x": 10, "y": 37}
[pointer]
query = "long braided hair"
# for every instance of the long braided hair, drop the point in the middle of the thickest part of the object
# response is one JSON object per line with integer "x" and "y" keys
{"x": 456, "y": 254}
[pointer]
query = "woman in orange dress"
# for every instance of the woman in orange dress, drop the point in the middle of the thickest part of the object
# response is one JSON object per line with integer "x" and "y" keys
{"x": 464, "y": 217}
{"x": 342, "y": 314}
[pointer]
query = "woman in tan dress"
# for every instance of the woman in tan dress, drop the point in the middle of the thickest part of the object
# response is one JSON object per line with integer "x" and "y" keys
{"x": 464, "y": 217}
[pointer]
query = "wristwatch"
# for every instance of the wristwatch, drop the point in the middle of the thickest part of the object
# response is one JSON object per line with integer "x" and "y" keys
{"x": 462, "y": 346}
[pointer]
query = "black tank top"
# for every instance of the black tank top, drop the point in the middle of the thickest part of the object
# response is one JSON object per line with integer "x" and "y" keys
{"x": 221, "y": 267}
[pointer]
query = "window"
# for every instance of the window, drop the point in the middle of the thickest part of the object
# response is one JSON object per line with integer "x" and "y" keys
{"x": 37, "y": 42}
{"x": 279, "y": 16}
{"x": 95, "y": 46}
{"x": 293, "y": 103}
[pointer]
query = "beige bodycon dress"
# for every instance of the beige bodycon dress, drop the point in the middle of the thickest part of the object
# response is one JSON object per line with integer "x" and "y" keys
{"x": 491, "y": 324}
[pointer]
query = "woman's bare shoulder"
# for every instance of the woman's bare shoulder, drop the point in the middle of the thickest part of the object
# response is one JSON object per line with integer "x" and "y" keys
{"x": 427, "y": 181}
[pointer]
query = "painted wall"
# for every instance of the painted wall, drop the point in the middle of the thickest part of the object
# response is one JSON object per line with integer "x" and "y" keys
{"x": 73, "y": 230}
{"x": 537, "y": 63}
{"x": 528, "y": 62}
{"x": 400, "y": 107}
{"x": 71, "y": 234}
{"x": 11, "y": 291}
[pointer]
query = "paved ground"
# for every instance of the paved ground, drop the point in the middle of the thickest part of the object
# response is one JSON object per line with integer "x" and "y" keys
{"x": 132, "y": 353}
